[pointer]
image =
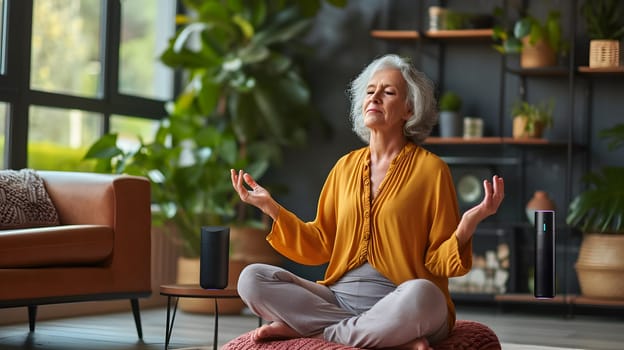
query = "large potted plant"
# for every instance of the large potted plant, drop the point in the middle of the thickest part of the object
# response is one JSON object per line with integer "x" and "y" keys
{"x": 539, "y": 43}
{"x": 244, "y": 100}
{"x": 604, "y": 20}
{"x": 599, "y": 213}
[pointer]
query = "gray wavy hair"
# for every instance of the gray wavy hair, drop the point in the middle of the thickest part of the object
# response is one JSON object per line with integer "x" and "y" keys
{"x": 420, "y": 98}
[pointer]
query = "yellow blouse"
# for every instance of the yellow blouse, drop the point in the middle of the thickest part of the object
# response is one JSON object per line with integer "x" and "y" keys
{"x": 407, "y": 232}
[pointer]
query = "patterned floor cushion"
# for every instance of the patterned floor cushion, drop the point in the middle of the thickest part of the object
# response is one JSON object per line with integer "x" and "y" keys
{"x": 467, "y": 335}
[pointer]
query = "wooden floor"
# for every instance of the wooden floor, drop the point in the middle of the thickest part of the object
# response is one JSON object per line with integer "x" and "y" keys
{"x": 117, "y": 331}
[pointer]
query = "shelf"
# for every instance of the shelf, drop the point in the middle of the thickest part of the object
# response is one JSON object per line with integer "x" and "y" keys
{"x": 461, "y": 140}
{"x": 472, "y": 297}
{"x": 577, "y": 300}
{"x": 556, "y": 71}
{"x": 585, "y": 301}
{"x": 434, "y": 34}
{"x": 529, "y": 298}
{"x": 491, "y": 140}
{"x": 601, "y": 71}
{"x": 462, "y": 33}
{"x": 395, "y": 34}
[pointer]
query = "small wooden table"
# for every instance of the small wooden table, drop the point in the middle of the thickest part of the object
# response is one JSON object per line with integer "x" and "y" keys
{"x": 178, "y": 291}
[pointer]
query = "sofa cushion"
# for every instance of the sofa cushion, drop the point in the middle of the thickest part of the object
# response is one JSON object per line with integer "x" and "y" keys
{"x": 56, "y": 246}
{"x": 24, "y": 201}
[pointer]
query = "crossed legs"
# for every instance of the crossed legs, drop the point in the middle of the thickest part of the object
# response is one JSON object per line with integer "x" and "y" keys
{"x": 414, "y": 311}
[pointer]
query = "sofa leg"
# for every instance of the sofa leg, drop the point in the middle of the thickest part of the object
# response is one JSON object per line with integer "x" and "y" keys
{"x": 136, "y": 312}
{"x": 32, "y": 317}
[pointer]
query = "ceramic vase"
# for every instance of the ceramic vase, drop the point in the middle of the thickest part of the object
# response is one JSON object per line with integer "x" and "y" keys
{"x": 539, "y": 201}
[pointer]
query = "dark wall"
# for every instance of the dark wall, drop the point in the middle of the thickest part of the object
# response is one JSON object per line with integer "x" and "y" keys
{"x": 343, "y": 48}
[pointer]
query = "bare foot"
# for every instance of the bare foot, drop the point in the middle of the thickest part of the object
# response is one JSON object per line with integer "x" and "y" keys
{"x": 416, "y": 344}
{"x": 274, "y": 331}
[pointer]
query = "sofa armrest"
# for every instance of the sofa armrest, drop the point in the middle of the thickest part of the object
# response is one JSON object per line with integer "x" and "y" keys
{"x": 119, "y": 201}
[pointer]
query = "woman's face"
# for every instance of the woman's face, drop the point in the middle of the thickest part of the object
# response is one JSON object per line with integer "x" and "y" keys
{"x": 385, "y": 107}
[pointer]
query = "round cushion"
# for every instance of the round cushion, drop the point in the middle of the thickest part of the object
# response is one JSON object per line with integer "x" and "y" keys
{"x": 466, "y": 335}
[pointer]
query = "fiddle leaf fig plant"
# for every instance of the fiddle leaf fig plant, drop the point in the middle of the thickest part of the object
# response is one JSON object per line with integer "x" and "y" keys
{"x": 600, "y": 208}
{"x": 244, "y": 99}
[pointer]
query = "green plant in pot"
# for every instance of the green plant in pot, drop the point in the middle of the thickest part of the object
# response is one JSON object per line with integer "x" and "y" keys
{"x": 530, "y": 120}
{"x": 539, "y": 43}
{"x": 604, "y": 20}
{"x": 244, "y": 100}
{"x": 450, "y": 121}
{"x": 598, "y": 212}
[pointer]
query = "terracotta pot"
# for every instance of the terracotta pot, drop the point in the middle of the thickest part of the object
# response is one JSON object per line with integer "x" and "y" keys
{"x": 250, "y": 245}
{"x": 537, "y": 55}
{"x": 188, "y": 273}
{"x": 539, "y": 201}
{"x": 600, "y": 266}
{"x": 520, "y": 130}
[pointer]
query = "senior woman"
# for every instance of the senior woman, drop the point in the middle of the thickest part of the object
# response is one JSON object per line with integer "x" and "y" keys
{"x": 387, "y": 224}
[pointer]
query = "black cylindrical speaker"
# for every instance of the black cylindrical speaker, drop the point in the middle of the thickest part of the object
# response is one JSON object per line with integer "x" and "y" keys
{"x": 544, "y": 254}
{"x": 214, "y": 257}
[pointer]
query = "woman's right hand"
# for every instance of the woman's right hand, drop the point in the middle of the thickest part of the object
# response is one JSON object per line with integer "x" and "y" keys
{"x": 258, "y": 196}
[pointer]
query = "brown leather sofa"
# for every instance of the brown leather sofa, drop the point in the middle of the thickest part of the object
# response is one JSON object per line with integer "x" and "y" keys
{"x": 100, "y": 250}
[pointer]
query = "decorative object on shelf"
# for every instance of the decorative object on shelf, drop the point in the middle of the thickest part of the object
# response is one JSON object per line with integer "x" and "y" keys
{"x": 492, "y": 266}
{"x": 599, "y": 213}
{"x": 530, "y": 120}
{"x": 450, "y": 120}
{"x": 539, "y": 201}
{"x": 436, "y": 18}
{"x": 473, "y": 127}
{"x": 539, "y": 44}
{"x": 457, "y": 20}
{"x": 604, "y": 21}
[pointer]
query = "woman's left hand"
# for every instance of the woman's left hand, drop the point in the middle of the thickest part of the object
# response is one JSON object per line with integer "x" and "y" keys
{"x": 494, "y": 194}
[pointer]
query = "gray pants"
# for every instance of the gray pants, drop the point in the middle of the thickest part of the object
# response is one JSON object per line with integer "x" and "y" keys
{"x": 363, "y": 309}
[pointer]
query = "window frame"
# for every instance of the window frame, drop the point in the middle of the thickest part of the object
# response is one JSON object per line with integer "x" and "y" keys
{"x": 15, "y": 83}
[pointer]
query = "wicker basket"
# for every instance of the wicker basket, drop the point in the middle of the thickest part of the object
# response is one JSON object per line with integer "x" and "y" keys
{"x": 604, "y": 53}
{"x": 600, "y": 266}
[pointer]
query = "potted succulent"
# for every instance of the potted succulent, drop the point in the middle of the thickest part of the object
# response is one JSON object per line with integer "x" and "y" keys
{"x": 245, "y": 99}
{"x": 604, "y": 21}
{"x": 599, "y": 213}
{"x": 539, "y": 43}
{"x": 530, "y": 120}
{"x": 450, "y": 120}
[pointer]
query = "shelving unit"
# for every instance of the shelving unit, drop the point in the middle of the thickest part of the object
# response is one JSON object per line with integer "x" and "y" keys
{"x": 514, "y": 152}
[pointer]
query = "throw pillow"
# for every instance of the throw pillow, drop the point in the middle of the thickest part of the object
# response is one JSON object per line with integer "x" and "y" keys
{"x": 24, "y": 201}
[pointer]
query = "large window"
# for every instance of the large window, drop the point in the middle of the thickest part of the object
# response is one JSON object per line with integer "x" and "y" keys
{"x": 94, "y": 67}
{"x": 143, "y": 38}
{"x": 65, "y": 48}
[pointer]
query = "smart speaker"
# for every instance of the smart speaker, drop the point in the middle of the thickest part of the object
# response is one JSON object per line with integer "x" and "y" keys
{"x": 214, "y": 257}
{"x": 544, "y": 254}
